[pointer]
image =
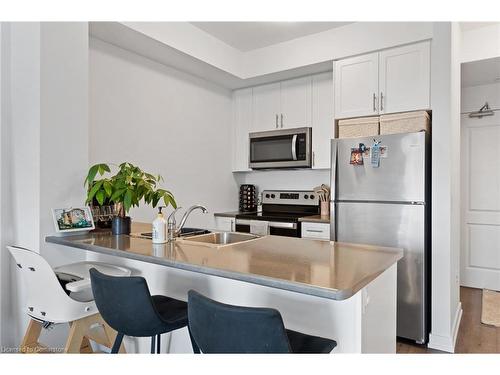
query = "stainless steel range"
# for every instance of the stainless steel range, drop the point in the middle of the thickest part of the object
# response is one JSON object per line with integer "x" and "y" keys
{"x": 281, "y": 209}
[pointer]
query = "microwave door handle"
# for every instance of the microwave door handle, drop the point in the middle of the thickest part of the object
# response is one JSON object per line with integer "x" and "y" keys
{"x": 294, "y": 147}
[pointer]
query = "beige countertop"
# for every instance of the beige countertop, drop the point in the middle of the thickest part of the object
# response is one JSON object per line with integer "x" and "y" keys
{"x": 325, "y": 269}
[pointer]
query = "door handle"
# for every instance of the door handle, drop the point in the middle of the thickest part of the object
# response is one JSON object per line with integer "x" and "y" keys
{"x": 381, "y": 101}
{"x": 282, "y": 120}
{"x": 294, "y": 147}
{"x": 276, "y": 121}
{"x": 374, "y": 102}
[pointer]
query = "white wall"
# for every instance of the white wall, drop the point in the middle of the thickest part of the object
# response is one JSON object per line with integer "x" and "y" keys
{"x": 474, "y": 97}
{"x": 445, "y": 103}
{"x": 284, "y": 180}
{"x": 480, "y": 43}
{"x": 45, "y": 132}
{"x": 165, "y": 121}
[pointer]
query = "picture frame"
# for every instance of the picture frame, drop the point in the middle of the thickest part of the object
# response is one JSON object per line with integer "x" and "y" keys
{"x": 73, "y": 219}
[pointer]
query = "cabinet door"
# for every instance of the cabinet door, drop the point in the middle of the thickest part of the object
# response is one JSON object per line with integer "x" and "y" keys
{"x": 295, "y": 103}
{"x": 405, "y": 78}
{"x": 242, "y": 123}
{"x": 322, "y": 119}
{"x": 356, "y": 86}
{"x": 266, "y": 107}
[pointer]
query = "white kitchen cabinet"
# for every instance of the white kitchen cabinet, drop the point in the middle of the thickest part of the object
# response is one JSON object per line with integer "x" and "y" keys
{"x": 296, "y": 103}
{"x": 226, "y": 224}
{"x": 316, "y": 231}
{"x": 242, "y": 124}
{"x": 356, "y": 86}
{"x": 266, "y": 107}
{"x": 404, "y": 80}
{"x": 394, "y": 80}
{"x": 322, "y": 119}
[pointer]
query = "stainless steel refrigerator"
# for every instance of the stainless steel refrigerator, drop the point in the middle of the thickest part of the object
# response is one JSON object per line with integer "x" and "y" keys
{"x": 389, "y": 205}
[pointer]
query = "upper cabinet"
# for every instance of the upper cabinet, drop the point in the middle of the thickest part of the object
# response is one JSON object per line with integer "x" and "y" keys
{"x": 296, "y": 103}
{"x": 394, "y": 80}
{"x": 356, "y": 86}
{"x": 242, "y": 123}
{"x": 280, "y": 105}
{"x": 266, "y": 107}
{"x": 404, "y": 80}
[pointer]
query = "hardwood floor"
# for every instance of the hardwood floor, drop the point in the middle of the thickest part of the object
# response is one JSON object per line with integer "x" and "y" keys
{"x": 473, "y": 336}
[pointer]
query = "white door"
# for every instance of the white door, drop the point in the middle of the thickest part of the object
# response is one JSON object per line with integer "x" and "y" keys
{"x": 242, "y": 123}
{"x": 266, "y": 107}
{"x": 356, "y": 86}
{"x": 295, "y": 103}
{"x": 480, "y": 265}
{"x": 322, "y": 119}
{"x": 404, "y": 78}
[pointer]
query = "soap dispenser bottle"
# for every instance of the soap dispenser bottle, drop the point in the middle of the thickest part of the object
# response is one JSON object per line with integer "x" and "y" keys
{"x": 159, "y": 228}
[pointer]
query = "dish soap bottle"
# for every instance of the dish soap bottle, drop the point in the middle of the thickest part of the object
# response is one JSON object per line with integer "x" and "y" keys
{"x": 159, "y": 228}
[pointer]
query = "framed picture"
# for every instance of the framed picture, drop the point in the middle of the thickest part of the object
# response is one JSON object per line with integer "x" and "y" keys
{"x": 72, "y": 219}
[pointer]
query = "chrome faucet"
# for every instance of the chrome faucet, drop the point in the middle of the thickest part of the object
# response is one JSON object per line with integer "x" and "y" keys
{"x": 173, "y": 230}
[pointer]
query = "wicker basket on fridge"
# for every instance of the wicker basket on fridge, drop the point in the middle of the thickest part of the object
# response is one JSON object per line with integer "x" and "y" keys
{"x": 358, "y": 127}
{"x": 408, "y": 122}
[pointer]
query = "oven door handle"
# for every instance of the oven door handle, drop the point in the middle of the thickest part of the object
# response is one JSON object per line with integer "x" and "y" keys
{"x": 272, "y": 224}
{"x": 294, "y": 147}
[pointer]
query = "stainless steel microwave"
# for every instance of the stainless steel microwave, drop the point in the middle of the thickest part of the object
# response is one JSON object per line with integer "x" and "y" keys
{"x": 284, "y": 148}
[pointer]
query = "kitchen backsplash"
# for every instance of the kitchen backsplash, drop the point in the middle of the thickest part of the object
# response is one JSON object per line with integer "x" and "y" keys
{"x": 305, "y": 179}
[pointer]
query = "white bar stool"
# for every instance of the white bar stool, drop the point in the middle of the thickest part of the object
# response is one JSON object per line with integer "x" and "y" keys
{"x": 63, "y": 295}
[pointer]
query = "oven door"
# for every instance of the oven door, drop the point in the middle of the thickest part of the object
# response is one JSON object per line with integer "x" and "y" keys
{"x": 288, "y": 148}
{"x": 276, "y": 228}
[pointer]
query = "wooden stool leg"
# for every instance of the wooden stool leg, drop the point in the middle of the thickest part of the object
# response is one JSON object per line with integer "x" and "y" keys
{"x": 85, "y": 347}
{"x": 30, "y": 339}
{"x": 75, "y": 337}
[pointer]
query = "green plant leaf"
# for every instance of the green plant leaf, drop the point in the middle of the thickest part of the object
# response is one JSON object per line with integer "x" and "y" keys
{"x": 100, "y": 197}
{"x": 127, "y": 200}
{"x": 117, "y": 194}
{"x": 91, "y": 175}
{"x": 108, "y": 188}
{"x": 94, "y": 190}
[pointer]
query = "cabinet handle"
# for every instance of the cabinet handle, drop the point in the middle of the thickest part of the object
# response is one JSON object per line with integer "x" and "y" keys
{"x": 276, "y": 121}
{"x": 282, "y": 120}
{"x": 374, "y": 102}
{"x": 381, "y": 101}
{"x": 314, "y": 158}
{"x": 314, "y": 230}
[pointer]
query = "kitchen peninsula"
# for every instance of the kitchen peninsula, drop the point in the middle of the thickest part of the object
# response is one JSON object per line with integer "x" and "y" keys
{"x": 342, "y": 291}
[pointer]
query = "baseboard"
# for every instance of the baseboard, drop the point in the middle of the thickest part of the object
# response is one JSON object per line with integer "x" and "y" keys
{"x": 447, "y": 343}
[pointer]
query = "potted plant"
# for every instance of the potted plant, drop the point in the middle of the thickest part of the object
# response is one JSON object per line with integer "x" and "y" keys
{"x": 125, "y": 190}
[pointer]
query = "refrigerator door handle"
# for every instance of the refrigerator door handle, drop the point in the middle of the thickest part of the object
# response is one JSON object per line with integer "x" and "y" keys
{"x": 333, "y": 191}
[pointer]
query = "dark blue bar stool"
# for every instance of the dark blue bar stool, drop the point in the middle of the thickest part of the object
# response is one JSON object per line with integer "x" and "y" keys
{"x": 215, "y": 327}
{"x": 126, "y": 304}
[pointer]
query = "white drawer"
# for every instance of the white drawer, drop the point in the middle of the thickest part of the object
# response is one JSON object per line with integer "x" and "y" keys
{"x": 318, "y": 231}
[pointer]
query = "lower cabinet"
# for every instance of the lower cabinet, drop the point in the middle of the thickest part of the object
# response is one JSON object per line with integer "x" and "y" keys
{"x": 226, "y": 224}
{"x": 316, "y": 231}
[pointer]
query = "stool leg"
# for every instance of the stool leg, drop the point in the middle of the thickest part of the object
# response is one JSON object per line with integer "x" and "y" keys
{"x": 158, "y": 344}
{"x": 117, "y": 343}
{"x": 152, "y": 344}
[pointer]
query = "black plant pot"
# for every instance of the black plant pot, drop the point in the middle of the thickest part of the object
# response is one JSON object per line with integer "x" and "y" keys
{"x": 120, "y": 225}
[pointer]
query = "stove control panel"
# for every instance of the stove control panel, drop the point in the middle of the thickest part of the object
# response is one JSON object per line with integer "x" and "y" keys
{"x": 305, "y": 197}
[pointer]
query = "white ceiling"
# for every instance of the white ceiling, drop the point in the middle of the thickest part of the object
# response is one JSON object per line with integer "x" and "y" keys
{"x": 481, "y": 72}
{"x": 246, "y": 36}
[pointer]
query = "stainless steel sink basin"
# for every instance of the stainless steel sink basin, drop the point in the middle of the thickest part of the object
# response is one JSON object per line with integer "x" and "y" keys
{"x": 223, "y": 238}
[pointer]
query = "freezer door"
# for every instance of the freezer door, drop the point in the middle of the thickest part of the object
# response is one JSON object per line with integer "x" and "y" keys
{"x": 400, "y": 176}
{"x": 394, "y": 225}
